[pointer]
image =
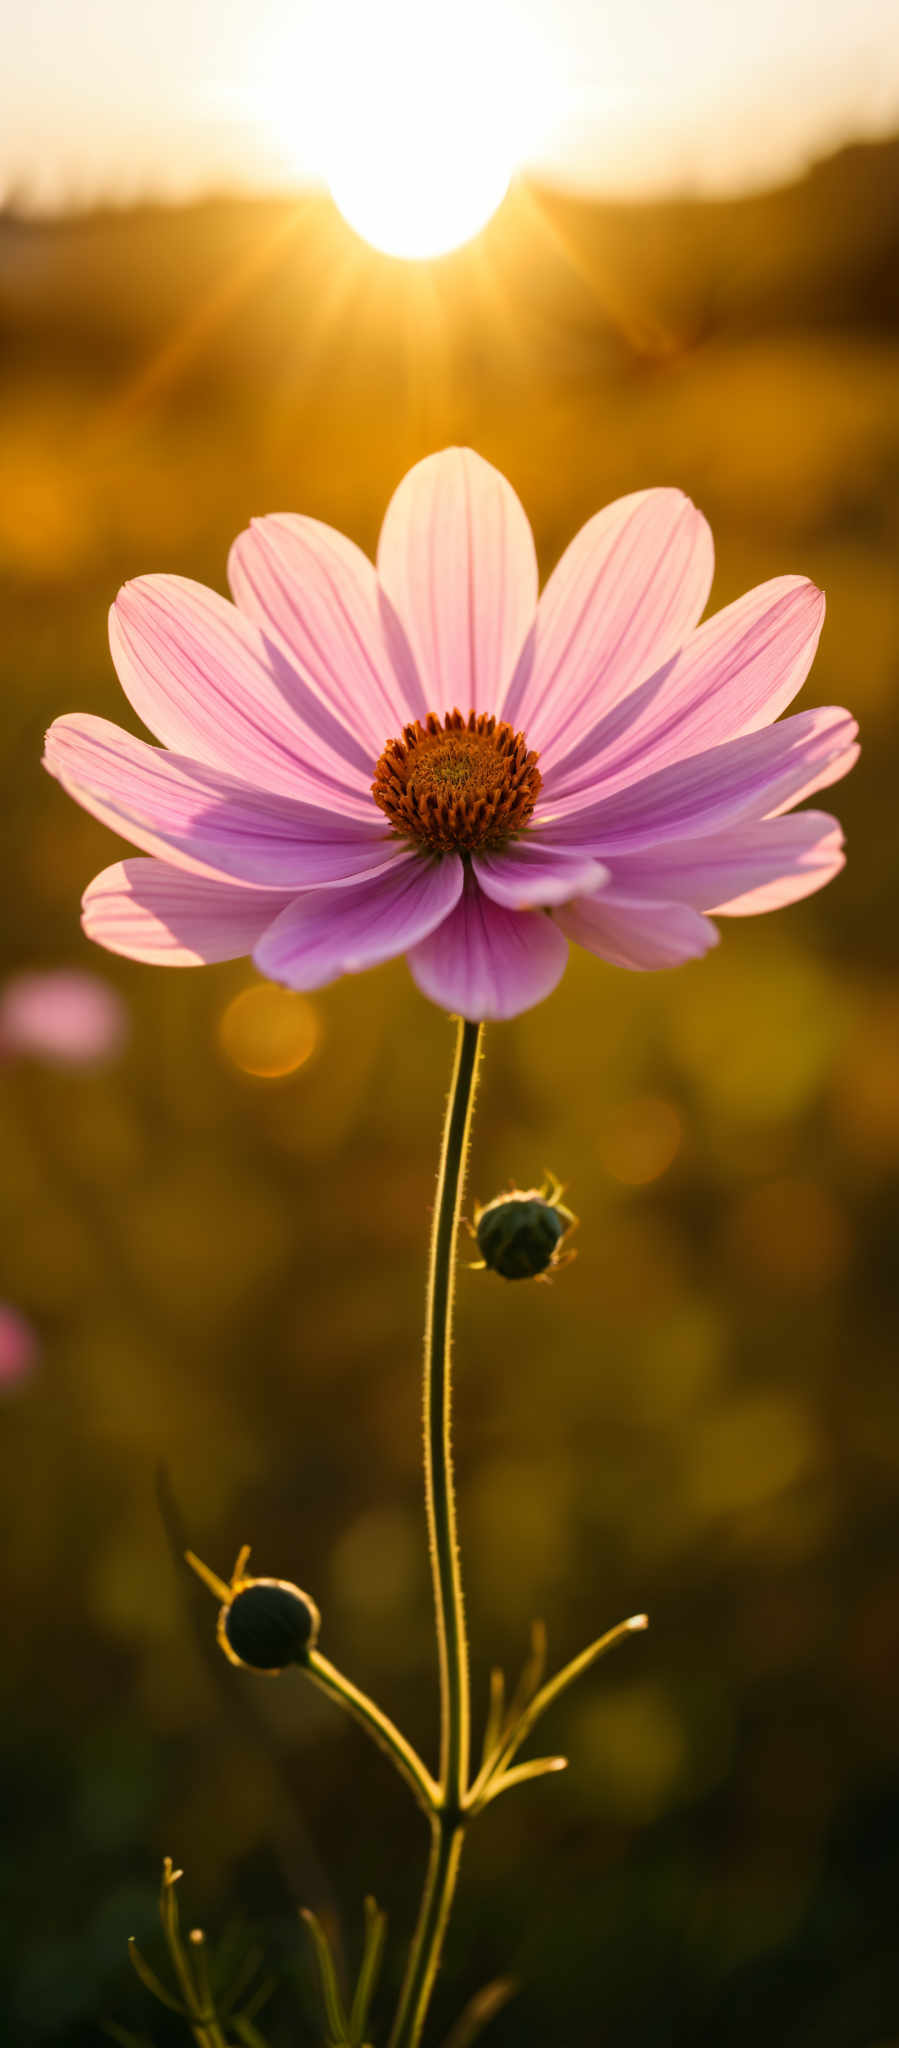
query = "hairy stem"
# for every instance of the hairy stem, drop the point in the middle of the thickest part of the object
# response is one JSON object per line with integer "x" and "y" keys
{"x": 452, "y": 1648}
{"x": 440, "y": 1499}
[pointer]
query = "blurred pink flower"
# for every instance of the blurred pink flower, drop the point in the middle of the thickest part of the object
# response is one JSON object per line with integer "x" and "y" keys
{"x": 19, "y": 1347}
{"x": 612, "y": 775}
{"x": 63, "y": 1015}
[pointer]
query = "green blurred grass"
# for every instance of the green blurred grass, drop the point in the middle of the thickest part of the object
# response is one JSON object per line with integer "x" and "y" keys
{"x": 702, "y": 1416}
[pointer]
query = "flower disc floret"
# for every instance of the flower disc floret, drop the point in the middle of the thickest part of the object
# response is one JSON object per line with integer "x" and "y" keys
{"x": 457, "y": 784}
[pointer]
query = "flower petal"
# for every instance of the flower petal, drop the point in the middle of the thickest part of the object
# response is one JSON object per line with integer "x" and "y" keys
{"x": 342, "y": 931}
{"x": 528, "y": 875}
{"x": 752, "y": 868}
{"x": 746, "y": 778}
{"x": 625, "y": 595}
{"x": 209, "y": 684}
{"x": 630, "y": 931}
{"x": 150, "y": 911}
{"x": 486, "y": 961}
{"x": 319, "y": 595}
{"x": 737, "y": 672}
{"x": 456, "y": 557}
{"x": 203, "y": 820}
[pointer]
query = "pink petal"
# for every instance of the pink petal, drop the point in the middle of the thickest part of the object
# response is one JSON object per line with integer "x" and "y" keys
{"x": 210, "y": 685}
{"x": 735, "y": 673}
{"x": 341, "y": 931}
{"x": 150, "y": 911}
{"x": 624, "y": 596}
{"x": 824, "y": 772}
{"x": 485, "y": 961}
{"x": 631, "y": 932}
{"x": 745, "y": 778}
{"x": 755, "y": 867}
{"x": 319, "y": 595}
{"x": 203, "y": 820}
{"x": 456, "y": 557}
{"x": 528, "y": 874}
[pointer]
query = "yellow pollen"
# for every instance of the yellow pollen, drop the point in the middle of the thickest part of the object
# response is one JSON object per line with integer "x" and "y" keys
{"x": 455, "y": 784}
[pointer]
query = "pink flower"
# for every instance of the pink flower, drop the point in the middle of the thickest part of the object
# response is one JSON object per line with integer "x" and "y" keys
{"x": 62, "y": 1015}
{"x": 424, "y": 759}
{"x": 18, "y": 1347}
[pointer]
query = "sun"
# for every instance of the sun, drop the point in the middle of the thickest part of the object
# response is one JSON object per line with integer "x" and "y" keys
{"x": 417, "y": 116}
{"x": 421, "y": 149}
{"x": 409, "y": 192}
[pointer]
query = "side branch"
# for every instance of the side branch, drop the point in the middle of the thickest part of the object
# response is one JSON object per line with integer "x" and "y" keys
{"x": 496, "y": 1765}
{"x": 377, "y": 1724}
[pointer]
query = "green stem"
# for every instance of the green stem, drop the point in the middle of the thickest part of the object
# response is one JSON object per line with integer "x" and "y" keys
{"x": 439, "y": 1491}
{"x": 447, "y": 1825}
{"x": 378, "y": 1724}
{"x": 440, "y": 1884}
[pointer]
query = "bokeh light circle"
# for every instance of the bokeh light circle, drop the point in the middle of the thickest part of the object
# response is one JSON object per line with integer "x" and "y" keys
{"x": 269, "y": 1032}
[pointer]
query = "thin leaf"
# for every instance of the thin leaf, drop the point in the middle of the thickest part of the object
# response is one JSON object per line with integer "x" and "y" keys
{"x": 480, "y": 2011}
{"x": 171, "y": 1927}
{"x": 501, "y": 1726}
{"x": 247, "y": 2033}
{"x": 534, "y": 1667}
{"x": 206, "y": 2012}
{"x": 539, "y": 1767}
{"x": 124, "y": 2036}
{"x": 260, "y": 1997}
{"x": 168, "y": 1901}
{"x": 152, "y": 1983}
{"x": 495, "y": 1713}
{"x": 327, "y": 1973}
{"x": 242, "y": 1978}
{"x": 210, "y": 1578}
{"x": 550, "y": 1692}
{"x": 372, "y": 1952}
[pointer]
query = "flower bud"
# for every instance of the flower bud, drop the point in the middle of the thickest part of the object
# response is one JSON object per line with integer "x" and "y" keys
{"x": 263, "y": 1623}
{"x": 519, "y": 1234}
{"x": 267, "y": 1624}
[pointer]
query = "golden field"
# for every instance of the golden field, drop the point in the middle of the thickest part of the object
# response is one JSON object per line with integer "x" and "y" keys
{"x": 701, "y": 1416}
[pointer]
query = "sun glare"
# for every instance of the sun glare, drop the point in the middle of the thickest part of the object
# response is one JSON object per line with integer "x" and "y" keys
{"x": 421, "y": 116}
{"x": 415, "y": 197}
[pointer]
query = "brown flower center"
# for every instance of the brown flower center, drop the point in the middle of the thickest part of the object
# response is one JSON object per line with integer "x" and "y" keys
{"x": 457, "y": 783}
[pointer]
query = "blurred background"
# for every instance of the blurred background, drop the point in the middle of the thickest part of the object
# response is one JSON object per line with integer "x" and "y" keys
{"x": 216, "y": 1196}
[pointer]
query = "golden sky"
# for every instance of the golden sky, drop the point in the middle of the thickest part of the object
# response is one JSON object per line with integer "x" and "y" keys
{"x": 107, "y": 96}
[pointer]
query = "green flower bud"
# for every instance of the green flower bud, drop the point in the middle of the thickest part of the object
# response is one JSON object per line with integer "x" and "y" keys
{"x": 263, "y": 1623}
{"x": 519, "y": 1234}
{"x": 267, "y": 1624}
